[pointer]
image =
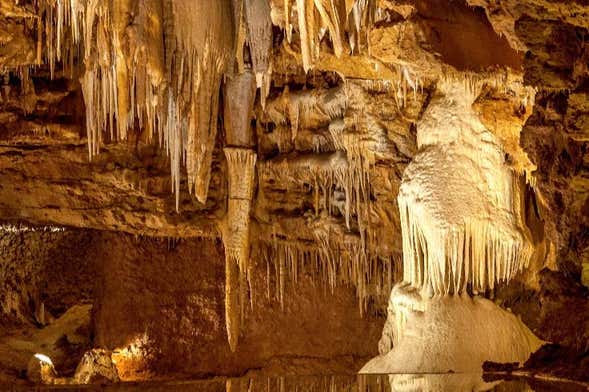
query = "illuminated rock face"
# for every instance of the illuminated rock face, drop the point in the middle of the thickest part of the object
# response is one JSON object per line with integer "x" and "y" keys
{"x": 460, "y": 203}
{"x": 463, "y": 233}
{"x": 449, "y": 333}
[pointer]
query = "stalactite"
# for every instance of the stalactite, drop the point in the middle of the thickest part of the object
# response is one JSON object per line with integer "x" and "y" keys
{"x": 202, "y": 53}
{"x": 362, "y": 15}
{"x": 338, "y": 17}
{"x": 306, "y": 26}
{"x": 232, "y": 295}
{"x": 240, "y": 94}
{"x": 240, "y": 24}
{"x": 128, "y": 77}
{"x": 121, "y": 14}
{"x": 260, "y": 43}
{"x": 331, "y": 14}
{"x": 236, "y": 234}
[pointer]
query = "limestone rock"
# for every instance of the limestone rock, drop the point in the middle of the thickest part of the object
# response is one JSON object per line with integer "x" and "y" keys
{"x": 96, "y": 366}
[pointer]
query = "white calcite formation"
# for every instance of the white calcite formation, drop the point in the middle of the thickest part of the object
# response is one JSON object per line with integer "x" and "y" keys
{"x": 463, "y": 233}
{"x": 449, "y": 334}
{"x": 459, "y": 202}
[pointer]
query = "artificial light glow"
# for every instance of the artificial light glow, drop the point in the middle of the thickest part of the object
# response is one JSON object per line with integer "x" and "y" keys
{"x": 23, "y": 228}
{"x": 44, "y": 359}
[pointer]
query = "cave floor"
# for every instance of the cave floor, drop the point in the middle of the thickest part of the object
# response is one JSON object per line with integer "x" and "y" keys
{"x": 335, "y": 383}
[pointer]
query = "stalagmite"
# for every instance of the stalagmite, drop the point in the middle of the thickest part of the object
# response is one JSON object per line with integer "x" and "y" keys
{"x": 463, "y": 233}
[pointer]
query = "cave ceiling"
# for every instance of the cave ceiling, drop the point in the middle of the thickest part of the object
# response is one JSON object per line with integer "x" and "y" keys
{"x": 341, "y": 86}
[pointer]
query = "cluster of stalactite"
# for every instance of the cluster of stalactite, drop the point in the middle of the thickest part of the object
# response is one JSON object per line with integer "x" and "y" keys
{"x": 330, "y": 175}
{"x": 150, "y": 64}
{"x": 154, "y": 66}
{"x": 338, "y": 171}
{"x": 332, "y": 264}
{"x": 340, "y": 18}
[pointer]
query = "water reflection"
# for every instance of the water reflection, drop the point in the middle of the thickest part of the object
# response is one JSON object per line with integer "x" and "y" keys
{"x": 360, "y": 383}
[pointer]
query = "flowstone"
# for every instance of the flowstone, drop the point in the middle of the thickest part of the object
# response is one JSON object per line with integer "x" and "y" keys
{"x": 449, "y": 334}
{"x": 463, "y": 233}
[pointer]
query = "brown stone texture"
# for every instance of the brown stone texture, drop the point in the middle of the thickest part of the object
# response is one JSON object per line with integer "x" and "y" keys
{"x": 155, "y": 276}
{"x": 173, "y": 293}
{"x": 169, "y": 293}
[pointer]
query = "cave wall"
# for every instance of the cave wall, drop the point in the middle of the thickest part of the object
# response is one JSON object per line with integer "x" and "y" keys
{"x": 47, "y": 178}
{"x": 170, "y": 294}
{"x": 42, "y": 268}
{"x": 165, "y": 297}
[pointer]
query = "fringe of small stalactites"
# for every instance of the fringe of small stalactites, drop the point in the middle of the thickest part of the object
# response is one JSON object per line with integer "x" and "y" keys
{"x": 468, "y": 85}
{"x": 241, "y": 163}
{"x": 298, "y": 108}
{"x": 23, "y": 73}
{"x": 60, "y": 22}
{"x": 471, "y": 258}
{"x": 349, "y": 174}
{"x": 99, "y": 91}
{"x": 407, "y": 84}
{"x": 329, "y": 265}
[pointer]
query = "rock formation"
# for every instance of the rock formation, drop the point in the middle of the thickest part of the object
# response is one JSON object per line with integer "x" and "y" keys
{"x": 237, "y": 182}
